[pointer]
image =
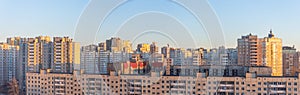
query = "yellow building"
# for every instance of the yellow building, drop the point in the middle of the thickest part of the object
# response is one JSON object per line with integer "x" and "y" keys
{"x": 127, "y": 46}
{"x": 144, "y": 48}
{"x": 272, "y": 54}
{"x": 38, "y": 53}
{"x": 66, "y": 54}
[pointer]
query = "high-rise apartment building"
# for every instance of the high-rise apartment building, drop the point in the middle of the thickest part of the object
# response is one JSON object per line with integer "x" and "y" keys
{"x": 117, "y": 45}
{"x": 290, "y": 61}
{"x": 39, "y": 53}
{"x": 66, "y": 55}
{"x": 211, "y": 56}
{"x": 197, "y": 57}
{"x": 103, "y": 61}
{"x": 220, "y": 56}
{"x": 232, "y": 56}
{"x": 143, "y": 48}
{"x": 179, "y": 56}
{"x": 272, "y": 54}
{"x": 89, "y": 56}
{"x": 153, "y": 48}
{"x": 8, "y": 62}
{"x": 261, "y": 52}
{"x": 42, "y": 53}
{"x": 250, "y": 51}
{"x": 126, "y": 46}
{"x": 22, "y": 60}
{"x": 156, "y": 57}
{"x": 113, "y": 44}
{"x": 102, "y": 46}
{"x": 165, "y": 51}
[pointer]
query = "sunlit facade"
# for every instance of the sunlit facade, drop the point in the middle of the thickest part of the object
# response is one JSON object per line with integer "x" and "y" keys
{"x": 272, "y": 54}
{"x": 39, "y": 53}
{"x": 66, "y": 55}
{"x": 143, "y": 48}
{"x": 155, "y": 84}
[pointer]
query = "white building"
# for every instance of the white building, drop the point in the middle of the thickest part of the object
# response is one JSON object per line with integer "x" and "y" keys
{"x": 90, "y": 59}
{"x": 8, "y": 61}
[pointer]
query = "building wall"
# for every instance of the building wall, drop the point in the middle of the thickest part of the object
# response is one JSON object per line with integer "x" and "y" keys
{"x": 90, "y": 59}
{"x": 39, "y": 53}
{"x": 249, "y": 50}
{"x": 45, "y": 83}
{"x": 200, "y": 84}
{"x": 43, "y": 53}
{"x": 8, "y": 62}
{"x": 272, "y": 54}
{"x": 261, "y": 52}
{"x": 290, "y": 61}
{"x": 66, "y": 54}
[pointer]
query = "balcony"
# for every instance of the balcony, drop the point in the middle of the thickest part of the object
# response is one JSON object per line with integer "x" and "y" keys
{"x": 91, "y": 81}
{"x": 59, "y": 80}
{"x": 178, "y": 84}
{"x": 136, "y": 83}
{"x": 177, "y": 94}
{"x": 59, "y": 84}
{"x": 278, "y": 86}
{"x": 227, "y": 85}
{"x": 135, "y": 88}
{"x": 177, "y": 89}
{"x": 132, "y": 92}
{"x": 59, "y": 93}
{"x": 278, "y": 92}
{"x": 226, "y": 90}
{"x": 60, "y": 89}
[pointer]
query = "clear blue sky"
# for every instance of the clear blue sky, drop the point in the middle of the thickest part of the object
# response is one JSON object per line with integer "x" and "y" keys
{"x": 32, "y": 18}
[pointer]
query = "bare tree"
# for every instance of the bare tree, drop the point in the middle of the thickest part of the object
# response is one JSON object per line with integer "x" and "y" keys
{"x": 13, "y": 87}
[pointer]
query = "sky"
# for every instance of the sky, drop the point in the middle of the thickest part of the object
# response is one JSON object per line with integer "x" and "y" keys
{"x": 153, "y": 20}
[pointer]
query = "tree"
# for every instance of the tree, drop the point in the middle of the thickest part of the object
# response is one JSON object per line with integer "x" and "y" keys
{"x": 13, "y": 87}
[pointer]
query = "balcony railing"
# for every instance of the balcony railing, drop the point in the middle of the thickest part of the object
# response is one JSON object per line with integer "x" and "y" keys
{"x": 138, "y": 88}
{"x": 226, "y": 90}
{"x": 177, "y": 89}
{"x": 278, "y": 92}
{"x": 282, "y": 86}
{"x": 178, "y": 84}
{"x": 227, "y": 85}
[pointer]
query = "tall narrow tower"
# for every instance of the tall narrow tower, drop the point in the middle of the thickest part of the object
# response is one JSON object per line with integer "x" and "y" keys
{"x": 272, "y": 53}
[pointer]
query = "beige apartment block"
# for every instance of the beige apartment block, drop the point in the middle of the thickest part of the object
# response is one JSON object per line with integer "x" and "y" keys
{"x": 46, "y": 83}
{"x": 153, "y": 84}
